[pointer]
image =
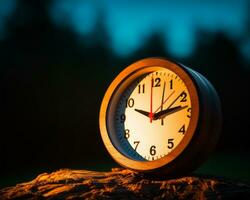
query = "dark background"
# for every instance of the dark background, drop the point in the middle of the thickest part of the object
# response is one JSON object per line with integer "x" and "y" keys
{"x": 54, "y": 70}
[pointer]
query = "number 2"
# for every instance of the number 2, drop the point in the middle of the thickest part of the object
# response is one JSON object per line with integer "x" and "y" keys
{"x": 184, "y": 97}
{"x": 157, "y": 82}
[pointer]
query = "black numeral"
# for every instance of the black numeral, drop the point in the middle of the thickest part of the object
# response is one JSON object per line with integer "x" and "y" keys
{"x": 152, "y": 150}
{"x": 136, "y": 144}
{"x": 122, "y": 118}
{"x": 130, "y": 102}
{"x": 189, "y": 113}
{"x": 170, "y": 143}
{"x": 182, "y": 129}
{"x": 171, "y": 84}
{"x": 141, "y": 88}
{"x": 126, "y": 133}
{"x": 157, "y": 82}
{"x": 184, "y": 97}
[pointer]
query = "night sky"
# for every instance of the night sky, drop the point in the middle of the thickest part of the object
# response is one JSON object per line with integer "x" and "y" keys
{"x": 130, "y": 24}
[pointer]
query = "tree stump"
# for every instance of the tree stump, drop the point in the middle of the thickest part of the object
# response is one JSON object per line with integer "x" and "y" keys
{"x": 123, "y": 184}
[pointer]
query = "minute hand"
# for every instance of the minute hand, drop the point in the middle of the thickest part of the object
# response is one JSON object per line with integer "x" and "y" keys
{"x": 168, "y": 111}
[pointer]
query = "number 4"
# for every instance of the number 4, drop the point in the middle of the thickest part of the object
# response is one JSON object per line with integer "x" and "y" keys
{"x": 182, "y": 129}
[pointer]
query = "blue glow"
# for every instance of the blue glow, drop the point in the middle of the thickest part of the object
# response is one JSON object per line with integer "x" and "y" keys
{"x": 80, "y": 15}
{"x": 129, "y": 24}
{"x": 6, "y": 8}
{"x": 246, "y": 49}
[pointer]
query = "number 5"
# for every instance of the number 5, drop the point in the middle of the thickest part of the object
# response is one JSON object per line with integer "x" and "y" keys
{"x": 170, "y": 143}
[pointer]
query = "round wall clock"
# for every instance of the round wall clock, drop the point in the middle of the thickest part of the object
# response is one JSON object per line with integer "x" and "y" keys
{"x": 160, "y": 117}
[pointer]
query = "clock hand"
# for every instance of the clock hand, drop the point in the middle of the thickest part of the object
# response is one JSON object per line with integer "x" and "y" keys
{"x": 162, "y": 100}
{"x": 168, "y": 111}
{"x": 175, "y": 100}
{"x": 142, "y": 112}
{"x": 151, "y": 114}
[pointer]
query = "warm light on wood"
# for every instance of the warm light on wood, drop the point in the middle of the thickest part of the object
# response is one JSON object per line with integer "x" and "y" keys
{"x": 158, "y": 116}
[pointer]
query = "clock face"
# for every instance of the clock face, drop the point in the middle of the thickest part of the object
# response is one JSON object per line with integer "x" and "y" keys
{"x": 150, "y": 119}
{"x": 152, "y": 115}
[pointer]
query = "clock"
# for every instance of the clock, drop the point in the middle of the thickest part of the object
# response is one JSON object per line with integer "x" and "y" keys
{"x": 160, "y": 117}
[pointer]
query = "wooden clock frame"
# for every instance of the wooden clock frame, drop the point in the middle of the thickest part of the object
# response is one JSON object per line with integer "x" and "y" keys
{"x": 202, "y": 133}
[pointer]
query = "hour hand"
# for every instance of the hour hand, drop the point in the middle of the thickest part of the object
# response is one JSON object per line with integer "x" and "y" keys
{"x": 168, "y": 111}
{"x": 142, "y": 112}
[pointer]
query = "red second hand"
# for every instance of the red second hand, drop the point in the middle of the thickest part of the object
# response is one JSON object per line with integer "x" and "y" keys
{"x": 151, "y": 114}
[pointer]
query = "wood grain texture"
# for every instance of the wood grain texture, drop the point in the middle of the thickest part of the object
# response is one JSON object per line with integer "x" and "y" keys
{"x": 123, "y": 184}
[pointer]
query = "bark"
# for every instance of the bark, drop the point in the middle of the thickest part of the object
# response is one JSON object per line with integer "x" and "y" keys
{"x": 123, "y": 184}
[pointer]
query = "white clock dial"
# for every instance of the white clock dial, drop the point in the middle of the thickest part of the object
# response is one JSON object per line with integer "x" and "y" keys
{"x": 160, "y": 117}
{"x": 153, "y": 115}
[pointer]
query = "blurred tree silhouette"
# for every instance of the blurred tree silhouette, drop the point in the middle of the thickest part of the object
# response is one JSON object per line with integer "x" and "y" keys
{"x": 52, "y": 83}
{"x": 49, "y": 99}
{"x": 154, "y": 47}
{"x": 218, "y": 58}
